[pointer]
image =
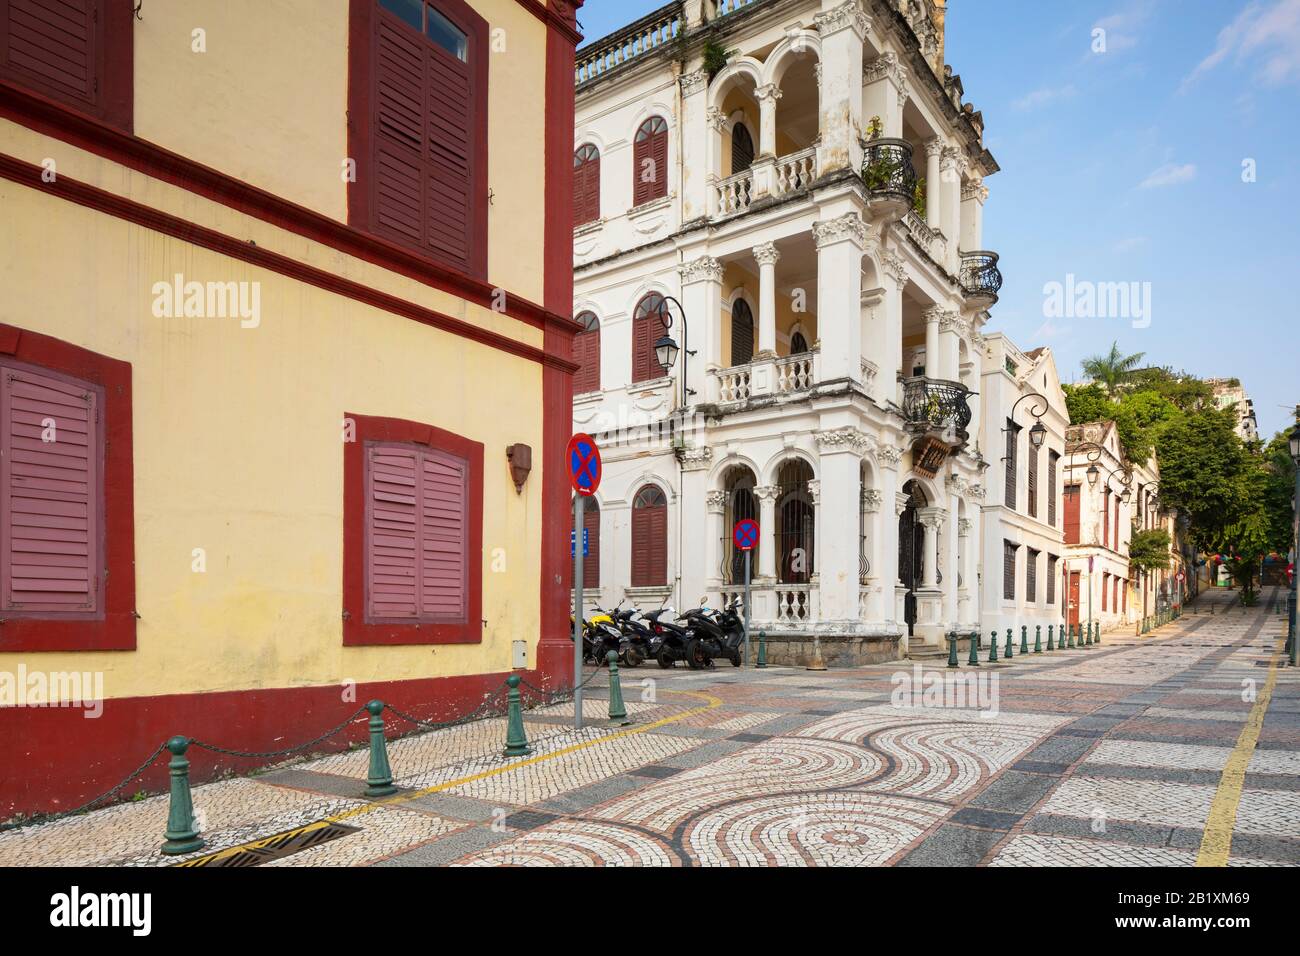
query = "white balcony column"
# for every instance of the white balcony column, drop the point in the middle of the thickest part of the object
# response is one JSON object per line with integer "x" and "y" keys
{"x": 879, "y": 386}
{"x": 694, "y": 132}
{"x": 716, "y": 534}
{"x": 840, "y": 470}
{"x": 840, "y": 242}
{"x": 767, "y": 544}
{"x": 885, "y": 94}
{"x": 933, "y": 201}
{"x": 843, "y": 29}
{"x": 872, "y": 608}
{"x": 895, "y": 279}
{"x": 973, "y": 194}
{"x": 965, "y": 570}
{"x": 702, "y": 300}
{"x": 931, "y": 317}
{"x": 815, "y": 559}
{"x": 952, "y": 166}
{"x": 952, "y": 566}
{"x": 899, "y": 616}
{"x": 695, "y": 570}
{"x": 715, "y": 121}
{"x": 931, "y": 519}
{"x": 767, "y": 257}
{"x": 951, "y": 327}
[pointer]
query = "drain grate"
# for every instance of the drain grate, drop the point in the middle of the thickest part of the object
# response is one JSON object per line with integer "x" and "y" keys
{"x": 276, "y": 847}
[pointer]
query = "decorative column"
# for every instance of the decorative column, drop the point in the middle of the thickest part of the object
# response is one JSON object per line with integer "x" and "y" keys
{"x": 951, "y": 167}
{"x": 843, "y": 29}
{"x": 767, "y": 545}
{"x": 951, "y": 330}
{"x": 933, "y": 202}
{"x": 840, "y": 242}
{"x": 702, "y": 299}
{"x": 895, "y": 270}
{"x": 931, "y": 520}
{"x": 901, "y": 501}
{"x": 767, "y": 256}
{"x": 840, "y": 459}
{"x": 715, "y": 122}
{"x": 931, "y": 317}
{"x": 964, "y": 526}
{"x": 884, "y": 566}
{"x": 694, "y": 132}
{"x": 886, "y": 93}
{"x": 763, "y": 168}
{"x": 715, "y": 535}
{"x": 870, "y": 609}
{"x": 695, "y": 568}
{"x": 973, "y": 195}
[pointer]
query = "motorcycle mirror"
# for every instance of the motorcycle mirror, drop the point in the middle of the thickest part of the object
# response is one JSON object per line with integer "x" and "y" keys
{"x": 704, "y": 601}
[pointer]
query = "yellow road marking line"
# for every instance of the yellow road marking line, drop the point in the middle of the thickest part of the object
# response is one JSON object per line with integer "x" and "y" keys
{"x": 1216, "y": 841}
{"x": 712, "y": 704}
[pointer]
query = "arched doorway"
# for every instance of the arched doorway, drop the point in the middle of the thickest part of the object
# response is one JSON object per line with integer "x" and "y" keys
{"x": 738, "y": 483}
{"x": 795, "y": 532}
{"x": 911, "y": 549}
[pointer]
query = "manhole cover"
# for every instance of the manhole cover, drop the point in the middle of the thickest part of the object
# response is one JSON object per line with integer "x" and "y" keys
{"x": 276, "y": 847}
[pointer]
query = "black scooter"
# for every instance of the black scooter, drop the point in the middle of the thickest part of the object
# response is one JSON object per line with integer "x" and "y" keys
{"x": 669, "y": 641}
{"x": 638, "y": 638}
{"x": 714, "y": 634}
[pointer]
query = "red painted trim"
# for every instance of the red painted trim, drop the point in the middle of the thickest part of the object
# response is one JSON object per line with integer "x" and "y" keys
{"x": 56, "y": 760}
{"x": 115, "y": 630}
{"x": 558, "y": 15}
{"x": 363, "y": 20}
{"x": 555, "y": 651}
{"x": 357, "y": 629}
{"x": 54, "y": 119}
{"x": 110, "y": 203}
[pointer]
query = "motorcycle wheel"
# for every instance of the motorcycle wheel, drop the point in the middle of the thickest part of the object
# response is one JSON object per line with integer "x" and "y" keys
{"x": 695, "y": 656}
{"x": 664, "y": 658}
{"x": 735, "y": 658}
{"x": 632, "y": 657}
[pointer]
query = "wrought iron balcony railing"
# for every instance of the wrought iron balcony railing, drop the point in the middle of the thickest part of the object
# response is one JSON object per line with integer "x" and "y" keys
{"x": 980, "y": 277}
{"x": 887, "y": 170}
{"x": 933, "y": 405}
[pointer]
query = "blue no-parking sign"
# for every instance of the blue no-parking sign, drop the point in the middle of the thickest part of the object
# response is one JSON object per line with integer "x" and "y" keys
{"x": 745, "y": 534}
{"x": 583, "y": 460}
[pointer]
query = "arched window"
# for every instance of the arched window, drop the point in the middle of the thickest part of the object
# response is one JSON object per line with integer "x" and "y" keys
{"x": 742, "y": 149}
{"x": 586, "y": 185}
{"x": 798, "y": 344}
{"x": 742, "y": 333}
{"x": 738, "y": 485}
{"x": 586, "y": 352}
{"x": 646, "y": 328}
{"x": 649, "y": 538}
{"x": 591, "y": 562}
{"x": 795, "y": 523}
{"x": 650, "y": 161}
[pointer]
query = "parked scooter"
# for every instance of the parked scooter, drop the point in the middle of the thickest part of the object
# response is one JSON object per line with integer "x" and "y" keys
{"x": 600, "y": 635}
{"x": 669, "y": 641}
{"x": 638, "y": 638}
{"x": 714, "y": 634}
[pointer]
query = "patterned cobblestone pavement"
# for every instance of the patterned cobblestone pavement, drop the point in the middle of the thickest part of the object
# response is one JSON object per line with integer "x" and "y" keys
{"x": 1173, "y": 748}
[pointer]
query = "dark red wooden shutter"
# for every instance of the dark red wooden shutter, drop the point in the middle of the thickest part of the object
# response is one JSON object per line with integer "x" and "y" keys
{"x": 586, "y": 353}
{"x": 649, "y": 539}
{"x": 426, "y": 104}
{"x": 51, "y": 499}
{"x": 1033, "y": 481}
{"x": 591, "y": 563}
{"x": 1010, "y": 479}
{"x": 392, "y": 532}
{"x": 1071, "y": 514}
{"x": 444, "y": 494}
{"x": 1008, "y": 570}
{"x": 1105, "y": 587}
{"x": 1051, "y": 488}
{"x": 650, "y": 161}
{"x": 586, "y": 185}
{"x": 1031, "y": 575}
{"x": 643, "y": 355}
{"x": 1105, "y": 519}
{"x": 53, "y": 46}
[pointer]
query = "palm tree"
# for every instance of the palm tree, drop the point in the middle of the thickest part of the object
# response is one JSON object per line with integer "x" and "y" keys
{"x": 1112, "y": 371}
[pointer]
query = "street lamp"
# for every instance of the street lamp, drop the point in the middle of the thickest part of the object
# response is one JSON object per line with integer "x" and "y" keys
{"x": 1037, "y": 434}
{"x": 1093, "y": 474}
{"x": 666, "y": 348}
{"x": 666, "y": 351}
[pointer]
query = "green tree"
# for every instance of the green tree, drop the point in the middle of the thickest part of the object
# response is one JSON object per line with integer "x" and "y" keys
{"x": 1087, "y": 403}
{"x": 1112, "y": 370}
{"x": 1207, "y": 472}
{"x": 1149, "y": 550}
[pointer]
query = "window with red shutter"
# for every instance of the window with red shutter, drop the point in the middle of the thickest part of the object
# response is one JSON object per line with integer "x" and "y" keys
{"x": 591, "y": 562}
{"x": 1031, "y": 576}
{"x": 650, "y": 161}
{"x": 1009, "y": 549}
{"x": 1012, "y": 432}
{"x": 649, "y": 538}
{"x": 78, "y": 52}
{"x": 586, "y": 185}
{"x": 1052, "y": 459}
{"x": 51, "y": 496}
{"x": 1071, "y": 499}
{"x": 586, "y": 353}
{"x": 1032, "y": 491}
{"x": 1105, "y": 589}
{"x": 646, "y": 328}
{"x": 742, "y": 333}
{"x": 418, "y": 127}
{"x": 1105, "y": 519}
{"x": 416, "y": 541}
{"x": 1051, "y": 578}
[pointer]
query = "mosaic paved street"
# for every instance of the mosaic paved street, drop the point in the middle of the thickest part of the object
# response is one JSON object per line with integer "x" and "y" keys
{"x": 1173, "y": 748}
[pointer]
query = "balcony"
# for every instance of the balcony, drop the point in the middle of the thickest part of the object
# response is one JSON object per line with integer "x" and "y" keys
{"x": 889, "y": 176}
{"x": 654, "y": 31}
{"x": 980, "y": 278}
{"x": 787, "y": 175}
{"x": 936, "y": 407}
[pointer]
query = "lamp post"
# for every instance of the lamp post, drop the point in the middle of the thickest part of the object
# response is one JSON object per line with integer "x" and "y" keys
{"x": 1293, "y": 440}
{"x": 666, "y": 348}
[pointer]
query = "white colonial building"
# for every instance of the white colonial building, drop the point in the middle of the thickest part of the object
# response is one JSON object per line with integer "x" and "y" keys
{"x": 788, "y": 195}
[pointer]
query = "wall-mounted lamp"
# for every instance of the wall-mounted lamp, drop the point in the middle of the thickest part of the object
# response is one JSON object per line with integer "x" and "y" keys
{"x": 521, "y": 463}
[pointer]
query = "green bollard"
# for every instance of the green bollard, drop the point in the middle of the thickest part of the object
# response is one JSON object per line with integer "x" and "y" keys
{"x": 762, "y": 649}
{"x": 952, "y": 650}
{"x": 974, "y": 659}
{"x": 1087, "y": 640}
{"x": 1096, "y": 638}
{"x": 617, "y": 710}
{"x": 1050, "y": 629}
{"x": 1024, "y": 639}
{"x": 1038, "y": 638}
{"x": 379, "y": 783}
{"x": 1070, "y": 630}
{"x": 1008, "y": 654}
{"x": 993, "y": 649}
{"x": 181, "y": 835}
{"x": 516, "y": 742}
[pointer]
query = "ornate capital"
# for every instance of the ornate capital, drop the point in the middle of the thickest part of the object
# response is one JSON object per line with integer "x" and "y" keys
{"x": 976, "y": 491}
{"x": 932, "y": 314}
{"x": 885, "y": 66}
{"x": 872, "y": 499}
{"x": 850, "y": 14}
{"x": 932, "y": 518}
{"x": 933, "y": 147}
{"x": 705, "y": 268}
{"x": 696, "y": 459}
{"x": 974, "y": 189}
{"x": 767, "y": 92}
{"x": 848, "y": 227}
{"x": 953, "y": 322}
{"x": 901, "y": 501}
{"x": 766, "y": 254}
{"x": 716, "y": 118}
{"x": 767, "y": 492}
{"x": 895, "y": 267}
{"x": 716, "y": 501}
{"x": 693, "y": 82}
{"x": 889, "y": 455}
{"x": 951, "y": 157}
{"x": 965, "y": 526}
{"x": 842, "y": 439}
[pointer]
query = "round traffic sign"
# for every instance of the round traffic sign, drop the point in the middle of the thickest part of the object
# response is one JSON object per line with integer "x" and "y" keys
{"x": 1181, "y": 576}
{"x": 582, "y": 458}
{"x": 745, "y": 534}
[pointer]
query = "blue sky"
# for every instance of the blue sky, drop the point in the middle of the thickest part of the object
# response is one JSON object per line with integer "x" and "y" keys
{"x": 1127, "y": 166}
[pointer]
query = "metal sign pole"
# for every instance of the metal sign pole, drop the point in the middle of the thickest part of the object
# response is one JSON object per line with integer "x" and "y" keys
{"x": 747, "y": 554}
{"x": 579, "y": 504}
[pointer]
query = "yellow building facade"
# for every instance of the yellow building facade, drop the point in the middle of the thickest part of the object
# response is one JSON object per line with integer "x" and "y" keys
{"x": 270, "y": 244}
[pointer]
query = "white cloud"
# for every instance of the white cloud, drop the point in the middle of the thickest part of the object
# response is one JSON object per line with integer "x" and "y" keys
{"x": 1049, "y": 330}
{"x": 1044, "y": 96}
{"x": 1170, "y": 175}
{"x": 1265, "y": 34}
